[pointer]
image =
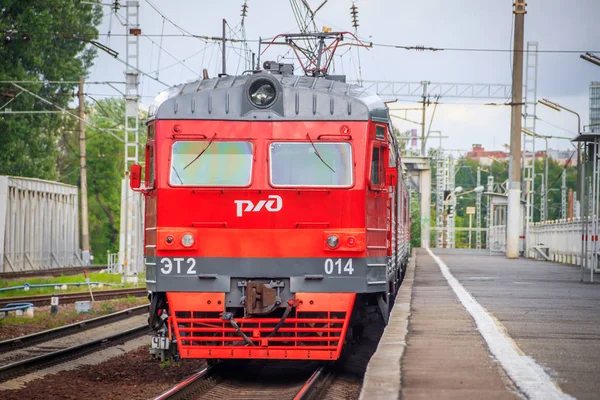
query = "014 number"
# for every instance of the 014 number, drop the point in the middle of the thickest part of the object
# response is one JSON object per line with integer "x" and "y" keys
{"x": 167, "y": 265}
{"x": 335, "y": 267}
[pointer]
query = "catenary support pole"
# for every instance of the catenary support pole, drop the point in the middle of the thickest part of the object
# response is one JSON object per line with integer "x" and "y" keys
{"x": 85, "y": 232}
{"x": 425, "y": 187}
{"x": 423, "y": 140}
{"x": 224, "y": 47}
{"x": 513, "y": 231}
{"x": 470, "y": 228}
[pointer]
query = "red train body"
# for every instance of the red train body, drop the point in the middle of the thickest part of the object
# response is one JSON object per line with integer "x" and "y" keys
{"x": 269, "y": 226}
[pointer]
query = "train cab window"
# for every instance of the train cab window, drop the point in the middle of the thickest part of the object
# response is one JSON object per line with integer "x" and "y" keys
{"x": 380, "y": 132}
{"x": 149, "y": 182}
{"x": 311, "y": 164}
{"x": 204, "y": 163}
{"x": 377, "y": 166}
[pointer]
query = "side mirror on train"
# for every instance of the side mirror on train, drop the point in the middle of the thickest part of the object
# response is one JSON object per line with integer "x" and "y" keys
{"x": 391, "y": 176}
{"x": 135, "y": 177}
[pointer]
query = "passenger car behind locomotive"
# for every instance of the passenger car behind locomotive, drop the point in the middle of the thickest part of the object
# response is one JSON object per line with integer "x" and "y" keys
{"x": 273, "y": 216}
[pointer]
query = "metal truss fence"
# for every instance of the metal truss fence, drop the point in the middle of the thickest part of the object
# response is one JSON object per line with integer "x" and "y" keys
{"x": 460, "y": 239}
{"x": 38, "y": 224}
{"x": 497, "y": 238}
{"x": 559, "y": 241}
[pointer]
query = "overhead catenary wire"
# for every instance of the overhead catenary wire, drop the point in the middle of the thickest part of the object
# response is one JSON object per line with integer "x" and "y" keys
{"x": 383, "y": 45}
{"x": 66, "y": 111}
{"x": 162, "y": 49}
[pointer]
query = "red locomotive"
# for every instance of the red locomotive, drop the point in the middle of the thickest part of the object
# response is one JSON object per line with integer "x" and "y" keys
{"x": 274, "y": 213}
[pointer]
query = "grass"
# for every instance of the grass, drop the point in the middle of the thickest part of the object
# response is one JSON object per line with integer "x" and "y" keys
{"x": 13, "y": 326}
{"x": 94, "y": 277}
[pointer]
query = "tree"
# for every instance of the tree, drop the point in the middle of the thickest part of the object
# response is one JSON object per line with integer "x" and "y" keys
{"x": 105, "y": 166}
{"x": 46, "y": 45}
{"x": 104, "y": 160}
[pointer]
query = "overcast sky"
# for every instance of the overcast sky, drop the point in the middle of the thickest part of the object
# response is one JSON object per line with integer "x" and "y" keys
{"x": 484, "y": 24}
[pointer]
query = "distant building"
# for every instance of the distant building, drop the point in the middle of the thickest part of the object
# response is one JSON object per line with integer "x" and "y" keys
{"x": 595, "y": 107}
{"x": 487, "y": 157}
{"x": 563, "y": 157}
{"x": 479, "y": 154}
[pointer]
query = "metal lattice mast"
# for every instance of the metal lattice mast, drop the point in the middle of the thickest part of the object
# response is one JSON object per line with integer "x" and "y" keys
{"x": 490, "y": 214}
{"x": 529, "y": 118}
{"x": 450, "y": 187}
{"x": 542, "y": 191}
{"x": 563, "y": 195}
{"x": 478, "y": 212}
{"x": 130, "y": 252}
{"x": 440, "y": 186}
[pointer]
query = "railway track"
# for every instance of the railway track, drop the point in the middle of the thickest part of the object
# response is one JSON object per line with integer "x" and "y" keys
{"x": 273, "y": 379}
{"x": 219, "y": 382}
{"x": 44, "y": 336}
{"x": 65, "y": 298}
{"x": 28, "y": 365}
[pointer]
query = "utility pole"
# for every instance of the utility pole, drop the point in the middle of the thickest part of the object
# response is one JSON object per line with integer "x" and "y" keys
{"x": 563, "y": 196}
{"x": 85, "y": 231}
{"x": 423, "y": 142}
{"x": 478, "y": 212}
{"x": 224, "y": 72}
{"x": 514, "y": 185}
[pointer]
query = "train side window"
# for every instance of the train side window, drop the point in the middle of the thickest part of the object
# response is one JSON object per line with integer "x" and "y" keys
{"x": 150, "y": 132}
{"x": 149, "y": 181}
{"x": 380, "y": 132}
{"x": 377, "y": 166}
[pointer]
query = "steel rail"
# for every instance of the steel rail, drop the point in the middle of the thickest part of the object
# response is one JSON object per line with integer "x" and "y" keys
{"x": 72, "y": 297}
{"x": 310, "y": 388}
{"x": 44, "y": 336}
{"x": 59, "y": 356}
{"x": 187, "y": 387}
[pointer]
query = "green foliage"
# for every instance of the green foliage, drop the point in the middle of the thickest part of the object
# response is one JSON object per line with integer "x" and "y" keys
{"x": 54, "y": 53}
{"x": 94, "y": 277}
{"x": 105, "y": 166}
{"x": 415, "y": 223}
{"x": 466, "y": 176}
{"x": 104, "y": 156}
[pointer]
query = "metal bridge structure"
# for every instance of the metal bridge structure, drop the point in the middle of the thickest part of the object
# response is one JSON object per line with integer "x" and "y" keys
{"x": 39, "y": 224}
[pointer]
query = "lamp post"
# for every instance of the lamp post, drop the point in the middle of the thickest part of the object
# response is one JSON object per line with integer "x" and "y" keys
{"x": 591, "y": 58}
{"x": 558, "y": 107}
{"x": 580, "y": 164}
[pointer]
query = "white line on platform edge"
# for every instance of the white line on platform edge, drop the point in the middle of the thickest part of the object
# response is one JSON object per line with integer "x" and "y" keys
{"x": 529, "y": 377}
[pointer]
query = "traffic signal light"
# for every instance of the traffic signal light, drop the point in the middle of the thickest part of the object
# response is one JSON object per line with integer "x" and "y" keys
{"x": 9, "y": 37}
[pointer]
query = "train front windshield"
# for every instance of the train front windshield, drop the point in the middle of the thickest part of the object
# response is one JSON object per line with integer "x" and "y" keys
{"x": 314, "y": 164}
{"x": 214, "y": 163}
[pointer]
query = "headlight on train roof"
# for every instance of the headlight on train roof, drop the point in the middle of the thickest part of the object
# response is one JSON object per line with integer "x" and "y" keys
{"x": 333, "y": 241}
{"x": 187, "y": 240}
{"x": 262, "y": 93}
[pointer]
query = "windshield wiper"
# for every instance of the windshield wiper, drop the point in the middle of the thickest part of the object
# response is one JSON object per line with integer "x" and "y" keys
{"x": 178, "y": 177}
{"x": 202, "y": 152}
{"x": 318, "y": 154}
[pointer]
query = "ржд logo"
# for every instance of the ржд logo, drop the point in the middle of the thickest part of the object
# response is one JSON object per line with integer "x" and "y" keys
{"x": 273, "y": 205}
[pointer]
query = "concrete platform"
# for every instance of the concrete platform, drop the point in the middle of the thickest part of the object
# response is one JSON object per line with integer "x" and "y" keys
{"x": 481, "y": 326}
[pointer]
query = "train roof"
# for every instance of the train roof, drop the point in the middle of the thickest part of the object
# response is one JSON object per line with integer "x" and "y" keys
{"x": 300, "y": 98}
